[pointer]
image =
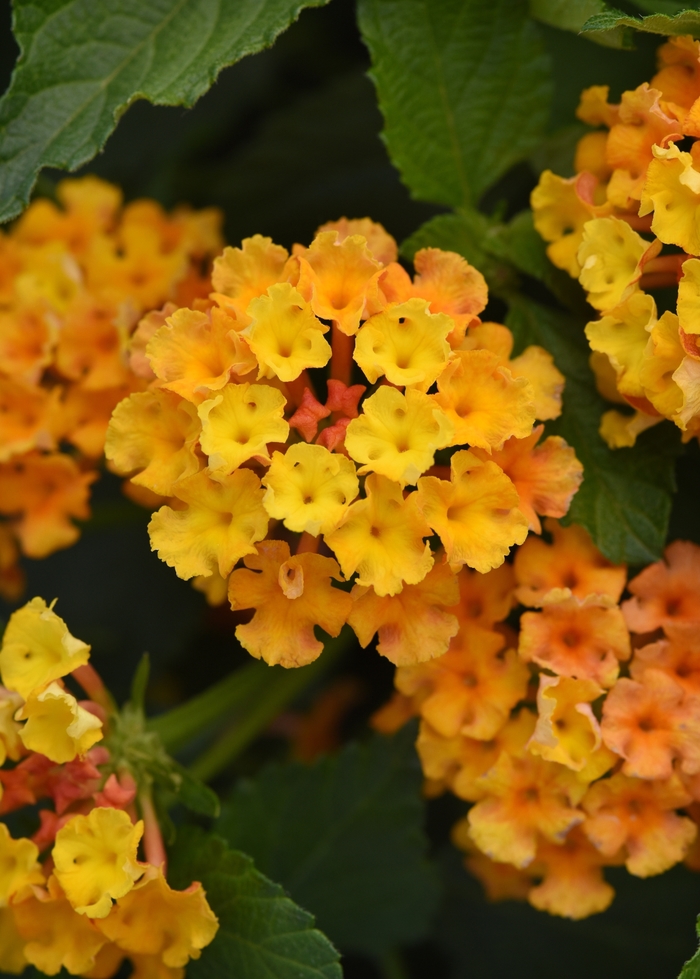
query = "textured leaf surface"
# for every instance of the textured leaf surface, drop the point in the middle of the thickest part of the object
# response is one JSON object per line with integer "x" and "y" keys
{"x": 691, "y": 969}
{"x": 626, "y": 495}
{"x": 464, "y": 88}
{"x": 568, "y": 15}
{"x": 683, "y": 22}
{"x": 262, "y": 933}
{"x": 82, "y": 63}
{"x": 345, "y": 838}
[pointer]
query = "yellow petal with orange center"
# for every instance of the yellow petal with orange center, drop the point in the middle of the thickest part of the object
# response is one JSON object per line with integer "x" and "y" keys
{"x": 559, "y": 215}
{"x": 623, "y": 335}
{"x": 284, "y": 334}
{"x": 220, "y": 524}
{"x": 238, "y": 424}
{"x": 547, "y": 381}
{"x": 57, "y": 726}
{"x": 475, "y": 514}
{"x": 610, "y": 258}
{"x": 672, "y": 192}
{"x": 243, "y": 273}
{"x": 397, "y": 434}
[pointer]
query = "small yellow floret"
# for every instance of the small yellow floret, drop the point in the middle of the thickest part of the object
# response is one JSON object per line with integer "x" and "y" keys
{"x": 154, "y": 433}
{"x": 284, "y": 334}
{"x": 244, "y": 273}
{"x": 624, "y": 336}
{"x": 405, "y": 342}
{"x": 19, "y": 865}
{"x": 38, "y": 648}
{"x": 672, "y": 192}
{"x": 57, "y": 726}
{"x": 475, "y": 514}
{"x": 381, "y": 537}
{"x": 689, "y": 297}
{"x": 153, "y": 919}
{"x": 485, "y": 403}
{"x": 610, "y": 258}
{"x": 10, "y": 743}
{"x": 309, "y": 488}
{"x": 397, "y": 434}
{"x": 220, "y": 524}
{"x": 238, "y": 423}
{"x": 95, "y": 859}
{"x": 559, "y": 215}
{"x": 537, "y": 366}
{"x": 620, "y": 431}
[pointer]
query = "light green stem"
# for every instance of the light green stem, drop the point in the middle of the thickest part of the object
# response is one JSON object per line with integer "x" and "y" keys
{"x": 283, "y": 686}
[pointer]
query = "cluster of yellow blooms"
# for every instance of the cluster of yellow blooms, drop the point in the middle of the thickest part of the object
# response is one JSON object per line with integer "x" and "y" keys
{"x": 570, "y": 766}
{"x": 75, "y": 894}
{"x": 73, "y": 283}
{"x": 233, "y": 437}
{"x": 628, "y": 223}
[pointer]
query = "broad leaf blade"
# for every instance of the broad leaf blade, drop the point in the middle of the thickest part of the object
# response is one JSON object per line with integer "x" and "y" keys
{"x": 691, "y": 969}
{"x": 610, "y": 20}
{"x": 626, "y": 495}
{"x": 82, "y": 63}
{"x": 262, "y": 933}
{"x": 464, "y": 87}
{"x": 345, "y": 839}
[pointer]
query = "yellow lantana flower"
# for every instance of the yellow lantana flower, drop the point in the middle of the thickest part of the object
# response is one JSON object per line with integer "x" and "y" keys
{"x": 672, "y": 192}
{"x": 284, "y": 334}
{"x": 19, "y": 865}
{"x": 10, "y": 743}
{"x": 309, "y": 488}
{"x": 154, "y": 432}
{"x": 381, "y": 537}
{"x": 38, "y": 648}
{"x": 220, "y": 524}
{"x": 153, "y": 919}
{"x": 475, "y": 514}
{"x": 689, "y": 297}
{"x": 485, "y": 403}
{"x": 290, "y": 596}
{"x": 243, "y": 273}
{"x": 57, "y": 726}
{"x": 610, "y": 257}
{"x": 623, "y": 335}
{"x": 405, "y": 342}
{"x": 95, "y": 859}
{"x": 559, "y": 215}
{"x": 397, "y": 434}
{"x": 238, "y": 423}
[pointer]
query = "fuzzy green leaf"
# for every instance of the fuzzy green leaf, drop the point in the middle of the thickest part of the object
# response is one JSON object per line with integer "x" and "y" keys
{"x": 262, "y": 933}
{"x": 345, "y": 838}
{"x": 464, "y": 87}
{"x": 626, "y": 495}
{"x": 567, "y": 15}
{"x": 610, "y": 20}
{"x": 691, "y": 969}
{"x": 82, "y": 63}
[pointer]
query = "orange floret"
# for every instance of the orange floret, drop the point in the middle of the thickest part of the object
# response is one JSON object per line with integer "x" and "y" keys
{"x": 537, "y": 366}
{"x": 666, "y": 592}
{"x": 484, "y": 401}
{"x": 546, "y": 476}
{"x": 475, "y": 514}
{"x": 572, "y": 883}
{"x": 90, "y": 206}
{"x": 92, "y": 344}
{"x": 570, "y": 565}
{"x": 42, "y": 493}
{"x": 413, "y": 626}
{"x": 485, "y": 599}
{"x": 678, "y": 655}
{"x": 392, "y": 715}
{"x": 27, "y": 338}
{"x": 221, "y": 523}
{"x": 580, "y": 639}
{"x": 28, "y": 417}
{"x": 154, "y": 434}
{"x": 643, "y": 120}
{"x": 380, "y": 243}
{"x": 460, "y": 761}
{"x": 381, "y": 538}
{"x": 290, "y": 596}
{"x": 338, "y": 277}
{"x": 196, "y": 353}
{"x": 472, "y": 688}
{"x": 147, "y": 326}
{"x": 85, "y": 415}
{"x": 678, "y": 78}
{"x": 651, "y": 723}
{"x": 243, "y": 273}
{"x": 525, "y": 799}
{"x": 639, "y": 816}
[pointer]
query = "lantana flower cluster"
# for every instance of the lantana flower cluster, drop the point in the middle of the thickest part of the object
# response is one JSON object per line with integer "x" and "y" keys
{"x": 626, "y": 225}
{"x": 74, "y": 281}
{"x": 76, "y": 894}
{"x": 575, "y": 737}
{"x": 263, "y": 449}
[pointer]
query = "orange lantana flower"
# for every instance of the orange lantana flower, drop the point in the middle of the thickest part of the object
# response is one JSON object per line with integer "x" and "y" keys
{"x": 290, "y": 596}
{"x": 666, "y": 593}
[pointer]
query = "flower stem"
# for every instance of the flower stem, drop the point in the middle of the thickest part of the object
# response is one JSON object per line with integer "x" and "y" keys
{"x": 342, "y": 347}
{"x": 93, "y": 685}
{"x": 152, "y": 836}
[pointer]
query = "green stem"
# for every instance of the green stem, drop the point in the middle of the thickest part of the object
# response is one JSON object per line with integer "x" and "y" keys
{"x": 182, "y": 723}
{"x": 283, "y": 686}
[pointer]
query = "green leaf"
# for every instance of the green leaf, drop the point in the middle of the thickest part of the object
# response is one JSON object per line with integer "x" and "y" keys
{"x": 262, "y": 933}
{"x": 626, "y": 495}
{"x": 683, "y": 22}
{"x": 345, "y": 838}
{"x": 83, "y": 63}
{"x": 571, "y": 15}
{"x": 691, "y": 969}
{"x": 464, "y": 87}
{"x": 139, "y": 682}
